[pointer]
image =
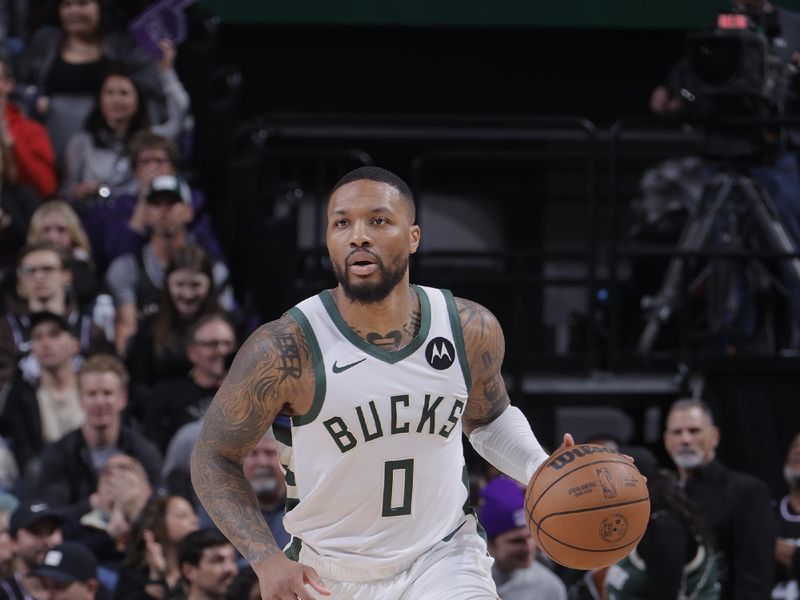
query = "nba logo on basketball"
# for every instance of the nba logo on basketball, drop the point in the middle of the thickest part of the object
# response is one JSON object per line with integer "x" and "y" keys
{"x": 606, "y": 483}
{"x": 613, "y": 528}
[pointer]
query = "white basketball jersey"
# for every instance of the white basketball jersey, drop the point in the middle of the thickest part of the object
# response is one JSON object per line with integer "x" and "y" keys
{"x": 375, "y": 471}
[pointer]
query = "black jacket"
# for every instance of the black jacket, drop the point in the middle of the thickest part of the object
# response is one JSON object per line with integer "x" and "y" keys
{"x": 68, "y": 478}
{"x": 21, "y": 422}
{"x": 738, "y": 511}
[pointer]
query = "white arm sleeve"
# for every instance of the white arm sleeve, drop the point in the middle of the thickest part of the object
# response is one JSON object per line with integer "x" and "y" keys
{"x": 509, "y": 444}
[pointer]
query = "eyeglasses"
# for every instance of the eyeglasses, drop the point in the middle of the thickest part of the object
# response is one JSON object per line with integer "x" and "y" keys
{"x": 29, "y": 271}
{"x": 224, "y": 344}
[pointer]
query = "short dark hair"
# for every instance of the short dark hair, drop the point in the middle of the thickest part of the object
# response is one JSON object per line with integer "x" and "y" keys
{"x": 191, "y": 547}
{"x": 191, "y": 332}
{"x": 380, "y": 175}
{"x": 44, "y": 246}
{"x": 689, "y": 403}
{"x": 147, "y": 140}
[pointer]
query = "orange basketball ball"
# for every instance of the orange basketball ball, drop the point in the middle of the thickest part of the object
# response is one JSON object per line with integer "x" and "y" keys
{"x": 587, "y": 506}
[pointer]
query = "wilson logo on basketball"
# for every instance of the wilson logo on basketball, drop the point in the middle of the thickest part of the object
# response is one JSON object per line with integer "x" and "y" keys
{"x": 563, "y": 459}
{"x": 606, "y": 482}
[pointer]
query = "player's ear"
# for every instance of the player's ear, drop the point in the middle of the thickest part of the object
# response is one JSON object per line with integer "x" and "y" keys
{"x": 715, "y": 436}
{"x": 414, "y": 233}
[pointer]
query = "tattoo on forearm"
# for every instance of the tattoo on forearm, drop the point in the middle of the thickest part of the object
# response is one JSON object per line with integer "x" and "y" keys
{"x": 266, "y": 372}
{"x": 486, "y": 357}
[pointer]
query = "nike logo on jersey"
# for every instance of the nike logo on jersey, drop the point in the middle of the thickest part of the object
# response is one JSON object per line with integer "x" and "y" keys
{"x": 337, "y": 369}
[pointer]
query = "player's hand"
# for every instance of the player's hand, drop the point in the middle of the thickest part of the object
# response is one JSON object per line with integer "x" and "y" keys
{"x": 568, "y": 442}
{"x": 282, "y": 579}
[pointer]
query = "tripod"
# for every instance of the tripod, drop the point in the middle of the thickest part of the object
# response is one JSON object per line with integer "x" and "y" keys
{"x": 733, "y": 195}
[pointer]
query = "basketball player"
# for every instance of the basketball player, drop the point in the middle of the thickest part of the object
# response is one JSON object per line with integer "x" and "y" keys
{"x": 368, "y": 387}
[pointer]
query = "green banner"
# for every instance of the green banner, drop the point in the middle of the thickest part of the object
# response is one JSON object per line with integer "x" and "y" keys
{"x": 683, "y": 14}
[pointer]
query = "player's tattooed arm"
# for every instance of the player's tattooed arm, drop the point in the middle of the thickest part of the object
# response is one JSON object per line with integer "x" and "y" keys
{"x": 485, "y": 346}
{"x": 265, "y": 373}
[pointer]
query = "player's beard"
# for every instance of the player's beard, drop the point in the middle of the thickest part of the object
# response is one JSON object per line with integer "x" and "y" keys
{"x": 792, "y": 476}
{"x": 369, "y": 292}
{"x": 688, "y": 458}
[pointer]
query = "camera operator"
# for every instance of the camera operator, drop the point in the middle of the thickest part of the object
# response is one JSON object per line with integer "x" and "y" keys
{"x": 779, "y": 176}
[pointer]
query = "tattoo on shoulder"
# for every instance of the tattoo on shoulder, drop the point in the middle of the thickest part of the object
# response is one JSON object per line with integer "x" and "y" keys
{"x": 485, "y": 348}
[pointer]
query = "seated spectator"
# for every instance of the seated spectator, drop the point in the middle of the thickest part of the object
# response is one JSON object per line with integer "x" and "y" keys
{"x": 208, "y": 564}
{"x": 262, "y": 469}
{"x": 123, "y": 490}
{"x": 675, "y": 557}
{"x": 71, "y": 467}
{"x": 158, "y": 351}
{"x": 97, "y": 161}
{"x": 32, "y": 151}
{"x": 63, "y": 67}
{"x": 176, "y": 402}
{"x": 787, "y": 557}
{"x": 515, "y": 571}
{"x": 35, "y": 528}
{"x": 43, "y": 286}
{"x": 120, "y": 225}
{"x": 150, "y": 568}
{"x": 42, "y": 412}
{"x": 69, "y": 572}
{"x": 56, "y": 222}
{"x": 735, "y": 505}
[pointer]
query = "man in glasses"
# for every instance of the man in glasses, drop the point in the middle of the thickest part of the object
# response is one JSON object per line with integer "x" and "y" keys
{"x": 43, "y": 284}
{"x": 176, "y": 402}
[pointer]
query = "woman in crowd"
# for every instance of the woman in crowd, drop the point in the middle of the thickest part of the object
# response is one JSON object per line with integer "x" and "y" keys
{"x": 56, "y": 222}
{"x": 97, "y": 164}
{"x": 158, "y": 350}
{"x": 62, "y": 67}
{"x": 150, "y": 568}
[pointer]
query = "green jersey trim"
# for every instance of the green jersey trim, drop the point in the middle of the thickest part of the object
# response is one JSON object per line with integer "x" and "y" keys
{"x": 468, "y": 508}
{"x": 318, "y": 365}
{"x": 289, "y": 477}
{"x": 458, "y": 336}
{"x": 292, "y": 552}
{"x": 374, "y": 351}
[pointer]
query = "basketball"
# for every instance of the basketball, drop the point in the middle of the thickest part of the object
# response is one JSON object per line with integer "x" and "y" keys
{"x": 587, "y": 506}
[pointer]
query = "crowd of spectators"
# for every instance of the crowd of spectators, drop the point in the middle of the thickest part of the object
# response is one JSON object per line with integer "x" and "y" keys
{"x": 117, "y": 317}
{"x": 117, "y": 322}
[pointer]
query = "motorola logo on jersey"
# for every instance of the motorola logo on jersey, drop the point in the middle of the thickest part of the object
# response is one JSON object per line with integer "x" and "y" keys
{"x": 440, "y": 353}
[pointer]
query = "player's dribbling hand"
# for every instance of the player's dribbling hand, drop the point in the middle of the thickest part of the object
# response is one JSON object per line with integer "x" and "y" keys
{"x": 282, "y": 579}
